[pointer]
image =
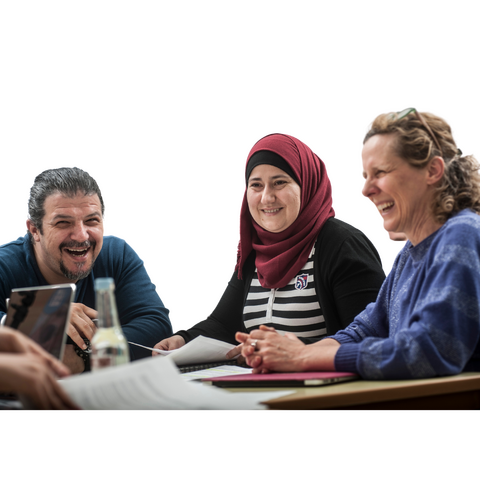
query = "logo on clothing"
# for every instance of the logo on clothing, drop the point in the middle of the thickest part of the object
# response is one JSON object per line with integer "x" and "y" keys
{"x": 301, "y": 281}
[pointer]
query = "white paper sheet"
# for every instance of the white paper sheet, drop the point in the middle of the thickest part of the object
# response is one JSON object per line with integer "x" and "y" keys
{"x": 199, "y": 350}
{"x": 216, "y": 372}
{"x": 154, "y": 384}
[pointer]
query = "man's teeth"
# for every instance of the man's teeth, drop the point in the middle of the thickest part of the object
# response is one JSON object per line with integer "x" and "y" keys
{"x": 77, "y": 252}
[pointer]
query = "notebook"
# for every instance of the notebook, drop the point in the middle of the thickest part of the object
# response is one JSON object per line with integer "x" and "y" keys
{"x": 42, "y": 313}
{"x": 301, "y": 379}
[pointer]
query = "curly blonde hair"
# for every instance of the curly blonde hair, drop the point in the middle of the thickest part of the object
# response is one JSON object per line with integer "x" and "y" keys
{"x": 460, "y": 186}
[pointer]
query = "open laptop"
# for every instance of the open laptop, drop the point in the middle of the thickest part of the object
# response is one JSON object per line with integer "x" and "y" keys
{"x": 42, "y": 313}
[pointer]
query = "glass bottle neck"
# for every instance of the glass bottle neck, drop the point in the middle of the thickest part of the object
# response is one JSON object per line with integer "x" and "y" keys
{"x": 107, "y": 309}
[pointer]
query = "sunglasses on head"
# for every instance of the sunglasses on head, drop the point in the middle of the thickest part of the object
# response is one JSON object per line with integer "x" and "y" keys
{"x": 404, "y": 111}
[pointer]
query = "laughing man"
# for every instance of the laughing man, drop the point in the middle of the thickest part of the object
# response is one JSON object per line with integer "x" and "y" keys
{"x": 65, "y": 244}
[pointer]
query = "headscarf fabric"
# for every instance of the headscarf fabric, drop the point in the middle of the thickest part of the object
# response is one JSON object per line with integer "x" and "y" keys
{"x": 280, "y": 256}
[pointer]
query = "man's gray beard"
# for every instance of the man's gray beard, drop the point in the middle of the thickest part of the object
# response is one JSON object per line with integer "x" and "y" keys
{"x": 75, "y": 277}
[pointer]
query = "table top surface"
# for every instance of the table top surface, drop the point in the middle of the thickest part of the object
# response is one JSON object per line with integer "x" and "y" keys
{"x": 362, "y": 392}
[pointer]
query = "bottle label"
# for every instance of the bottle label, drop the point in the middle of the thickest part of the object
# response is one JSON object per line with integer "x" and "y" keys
{"x": 108, "y": 357}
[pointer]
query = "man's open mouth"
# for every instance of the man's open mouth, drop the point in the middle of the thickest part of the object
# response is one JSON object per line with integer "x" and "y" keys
{"x": 77, "y": 252}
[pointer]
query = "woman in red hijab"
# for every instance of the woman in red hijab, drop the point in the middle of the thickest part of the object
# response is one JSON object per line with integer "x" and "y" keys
{"x": 299, "y": 269}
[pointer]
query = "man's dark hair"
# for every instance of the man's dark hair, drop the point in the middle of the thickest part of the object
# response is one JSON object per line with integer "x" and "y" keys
{"x": 67, "y": 181}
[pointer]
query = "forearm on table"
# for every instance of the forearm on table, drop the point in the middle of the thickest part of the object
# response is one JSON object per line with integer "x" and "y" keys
{"x": 320, "y": 356}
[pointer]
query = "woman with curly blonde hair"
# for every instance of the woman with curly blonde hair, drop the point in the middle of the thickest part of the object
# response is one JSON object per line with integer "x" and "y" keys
{"x": 426, "y": 319}
{"x": 421, "y": 137}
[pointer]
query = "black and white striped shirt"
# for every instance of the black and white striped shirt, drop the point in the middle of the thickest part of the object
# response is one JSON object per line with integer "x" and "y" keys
{"x": 293, "y": 308}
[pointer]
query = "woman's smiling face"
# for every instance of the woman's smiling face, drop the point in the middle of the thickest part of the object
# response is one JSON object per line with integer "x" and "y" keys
{"x": 401, "y": 193}
{"x": 274, "y": 198}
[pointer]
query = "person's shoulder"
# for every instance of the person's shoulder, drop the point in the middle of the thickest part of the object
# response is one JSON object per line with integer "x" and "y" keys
{"x": 117, "y": 241}
{"x": 17, "y": 264}
{"x": 337, "y": 230}
{"x": 13, "y": 249}
{"x": 114, "y": 248}
{"x": 340, "y": 232}
{"x": 462, "y": 228}
{"x": 463, "y": 223}
{"x": 19, "y": 242}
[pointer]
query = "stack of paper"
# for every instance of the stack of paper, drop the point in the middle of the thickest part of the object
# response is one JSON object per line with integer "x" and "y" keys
{"x": 199, "y": 350}
{"x": 223, "y": 370}
{"x": 154, "y": 383}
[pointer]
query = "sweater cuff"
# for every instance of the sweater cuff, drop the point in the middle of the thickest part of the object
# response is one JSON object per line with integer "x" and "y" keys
{"x": 346, "y": 358}
{"x": 342, "y": 338}
{"x": 184, "y": 334}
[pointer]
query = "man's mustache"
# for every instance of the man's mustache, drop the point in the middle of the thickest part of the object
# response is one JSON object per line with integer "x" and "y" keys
{"x": 73, "y": 244}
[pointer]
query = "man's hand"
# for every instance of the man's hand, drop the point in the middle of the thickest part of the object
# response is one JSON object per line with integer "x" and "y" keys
{"x": 72, "y": 361}
{"x": 81, "y": 324}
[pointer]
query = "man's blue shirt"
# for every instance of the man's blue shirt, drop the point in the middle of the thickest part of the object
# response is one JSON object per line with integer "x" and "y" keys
{"x": 142, "y": 314}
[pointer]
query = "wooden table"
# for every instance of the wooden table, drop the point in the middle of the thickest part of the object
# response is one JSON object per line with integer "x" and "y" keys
{"x": 458, "y": 392}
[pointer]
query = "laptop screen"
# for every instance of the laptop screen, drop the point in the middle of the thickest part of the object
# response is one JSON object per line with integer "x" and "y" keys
{"x": 42, "y": 313}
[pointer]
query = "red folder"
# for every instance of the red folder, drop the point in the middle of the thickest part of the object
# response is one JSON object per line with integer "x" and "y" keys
{"x": 301, "y": 379}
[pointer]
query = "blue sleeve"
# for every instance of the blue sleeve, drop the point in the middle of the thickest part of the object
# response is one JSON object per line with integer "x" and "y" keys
{"x": 371, "y": 323}
{"x": 142, "y": 314}
{"x": 17, "y": 269}
{"x": 432, "y": 333}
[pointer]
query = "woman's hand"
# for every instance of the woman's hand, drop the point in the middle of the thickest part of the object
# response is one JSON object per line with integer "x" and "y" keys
{"x": 171, "y": 343}
{"x": 234, "y": 352}
{"x": 265, "y": 350}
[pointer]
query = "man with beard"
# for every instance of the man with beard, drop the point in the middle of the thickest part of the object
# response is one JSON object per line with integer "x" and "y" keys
{"x": 65, "y": 244}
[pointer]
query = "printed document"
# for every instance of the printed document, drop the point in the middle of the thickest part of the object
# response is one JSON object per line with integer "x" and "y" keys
{"x": 156, "y": 384}
{"x": 199, "y": 350}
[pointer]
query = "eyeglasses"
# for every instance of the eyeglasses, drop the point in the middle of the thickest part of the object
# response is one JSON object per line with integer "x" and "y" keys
{"x": 408, "y": 111}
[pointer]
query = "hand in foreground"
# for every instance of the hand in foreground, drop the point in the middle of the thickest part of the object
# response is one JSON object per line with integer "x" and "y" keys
{"x": 81, "y": 324}
{"x": 13, "y": 341}
{"x": 171, "y": 343}
{"x": 31, "y": 375}
{"x": 27, "y": 369}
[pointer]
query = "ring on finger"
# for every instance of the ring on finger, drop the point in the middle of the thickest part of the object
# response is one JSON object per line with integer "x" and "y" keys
{"x": 254, "y": 344}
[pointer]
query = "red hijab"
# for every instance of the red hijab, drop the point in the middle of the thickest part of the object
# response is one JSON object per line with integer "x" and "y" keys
{"x": 280, "y": 256}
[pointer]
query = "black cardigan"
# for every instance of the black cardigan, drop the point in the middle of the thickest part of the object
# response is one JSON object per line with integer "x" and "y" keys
{"x": 348, "y": 276}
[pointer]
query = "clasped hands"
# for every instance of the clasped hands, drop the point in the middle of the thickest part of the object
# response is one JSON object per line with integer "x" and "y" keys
{"x": 265, "y": 350}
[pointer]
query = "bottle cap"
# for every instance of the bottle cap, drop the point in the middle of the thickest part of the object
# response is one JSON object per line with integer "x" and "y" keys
{"x": 104, "y": 283}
